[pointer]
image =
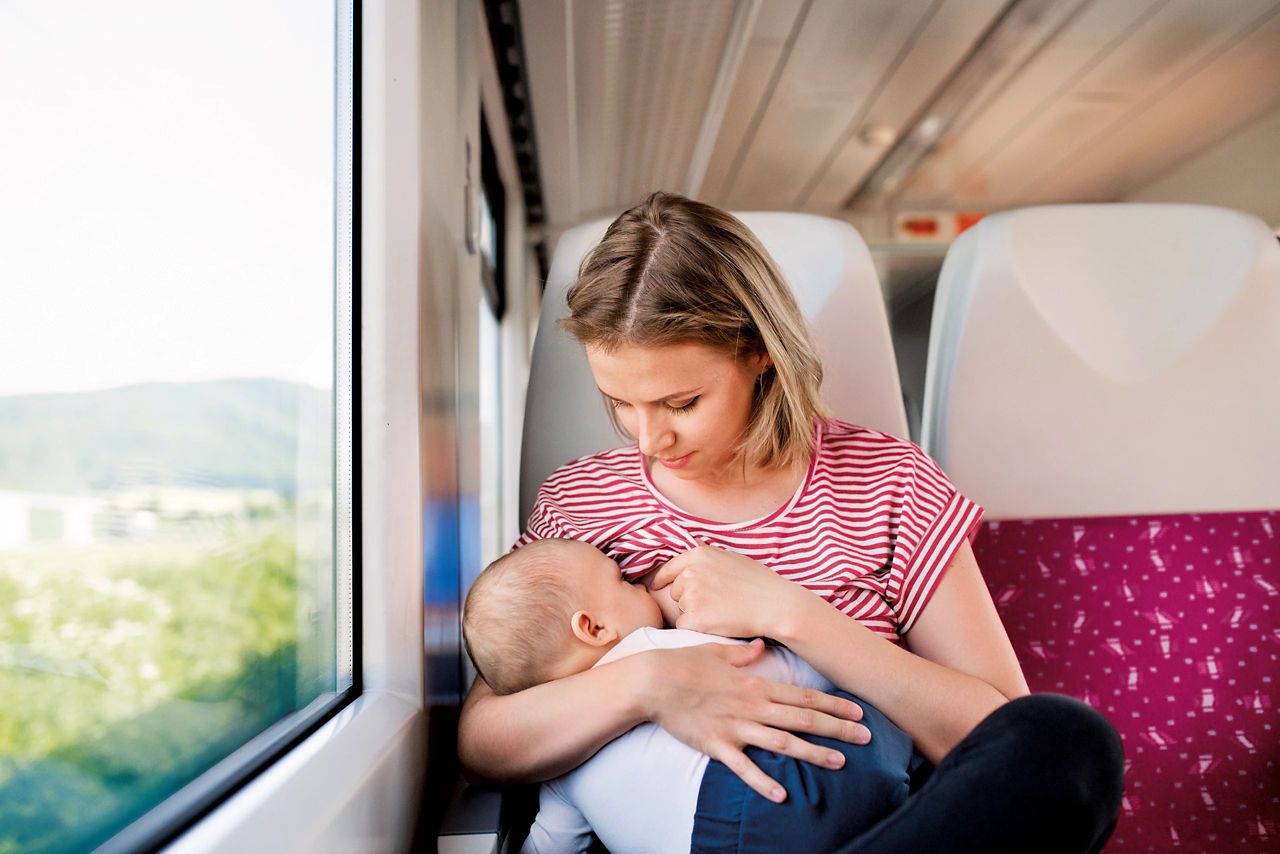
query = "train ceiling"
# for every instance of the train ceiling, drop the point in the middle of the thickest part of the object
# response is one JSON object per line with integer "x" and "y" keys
{"x": 853, "y": 106}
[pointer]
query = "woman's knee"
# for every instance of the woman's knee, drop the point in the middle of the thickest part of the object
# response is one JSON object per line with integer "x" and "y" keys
{"x": 1067, "y": 733}
{"x": 1069, "y": 752}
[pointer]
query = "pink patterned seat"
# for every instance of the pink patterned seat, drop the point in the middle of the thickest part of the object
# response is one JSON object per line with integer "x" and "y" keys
{"x": 1190, "y": 684}
{"x": 1101, "y": 379}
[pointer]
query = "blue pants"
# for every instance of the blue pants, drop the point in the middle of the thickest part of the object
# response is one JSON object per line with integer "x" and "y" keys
{"x": 1044, "y": 773}
{"x": 824, "y": 807}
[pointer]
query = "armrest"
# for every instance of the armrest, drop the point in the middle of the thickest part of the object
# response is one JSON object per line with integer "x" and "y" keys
{"x": 487, "y": 819}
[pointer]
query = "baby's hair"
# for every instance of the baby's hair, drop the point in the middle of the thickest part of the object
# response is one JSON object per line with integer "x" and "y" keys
{"x": 515, "y": 622}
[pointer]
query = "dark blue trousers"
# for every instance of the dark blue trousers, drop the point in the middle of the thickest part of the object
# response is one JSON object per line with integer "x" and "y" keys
{"x": 824, "y": 807}
{"x": 1043, "y": 773}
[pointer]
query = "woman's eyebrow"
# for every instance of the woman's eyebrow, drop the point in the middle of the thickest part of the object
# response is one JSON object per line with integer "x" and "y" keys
{"x": 673, "y": 396}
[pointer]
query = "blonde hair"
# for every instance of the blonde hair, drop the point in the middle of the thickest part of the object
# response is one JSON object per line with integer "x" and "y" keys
{"x": 674, "y": 271}
{"x": 515, "y": 622}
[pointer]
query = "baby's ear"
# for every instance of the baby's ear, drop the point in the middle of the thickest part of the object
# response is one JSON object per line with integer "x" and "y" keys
{"x": 589, "y": 630}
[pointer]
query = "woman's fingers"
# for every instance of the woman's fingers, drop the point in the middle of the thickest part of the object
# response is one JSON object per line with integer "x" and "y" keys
{"x": 777, "y": 741}
{"x": 668, "y": 572}
{"x": 783, "y": 719}
{"x": 721, "y": 710}
{"x": 791, "y": 707}
{"x": 737, "y": 762}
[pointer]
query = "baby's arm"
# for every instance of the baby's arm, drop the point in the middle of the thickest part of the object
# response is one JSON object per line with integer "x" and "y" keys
{"x": 559, "y": 828}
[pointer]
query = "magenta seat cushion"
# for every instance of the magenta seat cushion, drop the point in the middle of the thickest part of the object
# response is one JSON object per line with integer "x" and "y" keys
{"x": 1170, "y": 626}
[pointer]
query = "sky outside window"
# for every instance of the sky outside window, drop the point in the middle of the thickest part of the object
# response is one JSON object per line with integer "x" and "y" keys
{"x": 160, "y": 219}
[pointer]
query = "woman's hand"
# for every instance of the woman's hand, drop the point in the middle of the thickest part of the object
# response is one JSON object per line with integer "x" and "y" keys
{"x": 700, "y": 695}
{"x": 726, "y": 593}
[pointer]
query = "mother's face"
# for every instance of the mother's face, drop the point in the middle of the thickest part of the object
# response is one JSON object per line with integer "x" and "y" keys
{"x": 686, "y": 404}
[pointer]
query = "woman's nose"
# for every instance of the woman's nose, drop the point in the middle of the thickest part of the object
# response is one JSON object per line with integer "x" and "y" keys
{"x": 653, "y": 435}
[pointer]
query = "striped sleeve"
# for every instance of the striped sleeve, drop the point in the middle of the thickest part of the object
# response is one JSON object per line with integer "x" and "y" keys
{"x": 600, "y": 499}
{"x": 934, "y": 519}
{"x": 544, "y": 522}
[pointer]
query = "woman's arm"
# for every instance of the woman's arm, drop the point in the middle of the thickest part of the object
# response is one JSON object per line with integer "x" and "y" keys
{"x": 699, "y": 694}
{"x": 548, "y": 729}
{"x": 959, "y": 669}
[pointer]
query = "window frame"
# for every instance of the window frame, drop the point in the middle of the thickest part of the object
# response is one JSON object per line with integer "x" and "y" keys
{"x": 493, "y": 276}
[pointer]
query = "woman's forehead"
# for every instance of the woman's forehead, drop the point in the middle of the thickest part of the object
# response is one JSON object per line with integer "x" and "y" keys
{"x": 658, "y": 371}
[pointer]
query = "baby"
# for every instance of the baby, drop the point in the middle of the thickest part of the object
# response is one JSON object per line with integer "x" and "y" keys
{"x": 553, "y": 608}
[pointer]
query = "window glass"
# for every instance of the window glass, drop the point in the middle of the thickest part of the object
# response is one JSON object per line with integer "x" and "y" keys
{"x": 168, "y": 468}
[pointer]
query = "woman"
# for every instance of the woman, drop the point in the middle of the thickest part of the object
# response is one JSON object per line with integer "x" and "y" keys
{"x": 759, "y": 516}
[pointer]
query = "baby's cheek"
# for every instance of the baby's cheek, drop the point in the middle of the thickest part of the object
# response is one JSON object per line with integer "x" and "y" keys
{"x": 670, "y": 610}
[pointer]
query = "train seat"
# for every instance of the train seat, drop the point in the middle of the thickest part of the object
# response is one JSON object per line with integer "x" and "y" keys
{"x": 1101, "y": 379}
{"x": 828, "y": 266}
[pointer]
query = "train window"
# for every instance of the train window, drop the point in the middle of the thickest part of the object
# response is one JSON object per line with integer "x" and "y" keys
{"x": 492, "y": 231}
{"x": 176, "y": 407}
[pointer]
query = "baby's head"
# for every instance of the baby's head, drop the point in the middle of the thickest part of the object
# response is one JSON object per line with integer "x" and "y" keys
{"x": 549, "y": 609}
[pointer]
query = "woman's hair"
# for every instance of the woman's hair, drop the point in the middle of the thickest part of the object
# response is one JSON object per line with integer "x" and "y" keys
{"x": 515, "y": 622}
{"x": 675, "y": 271}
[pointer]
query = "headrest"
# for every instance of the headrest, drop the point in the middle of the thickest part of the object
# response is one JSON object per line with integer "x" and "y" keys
{"x": 828, "y": 266}
{"x": 1089, "y": 360}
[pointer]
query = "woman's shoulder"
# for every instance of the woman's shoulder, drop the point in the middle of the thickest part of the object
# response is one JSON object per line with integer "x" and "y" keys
{"x": 840, "y": 438}
{"x": 616, "y": 467}
{"x": 590, "y": 492}
{"x": 854, "y": 454}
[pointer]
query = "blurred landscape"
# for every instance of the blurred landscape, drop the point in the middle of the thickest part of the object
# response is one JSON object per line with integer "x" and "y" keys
{"x": 164, "y": 551}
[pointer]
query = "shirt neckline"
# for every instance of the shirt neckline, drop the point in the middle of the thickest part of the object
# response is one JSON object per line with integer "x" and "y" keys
{"x": 819, "y": 433}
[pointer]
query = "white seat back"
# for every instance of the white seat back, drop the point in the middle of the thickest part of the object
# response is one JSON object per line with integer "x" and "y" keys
{"x": 827, "y": 264}
{"x": 1110, "y": 359}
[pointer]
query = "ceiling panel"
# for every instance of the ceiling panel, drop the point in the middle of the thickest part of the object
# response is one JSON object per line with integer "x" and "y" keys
{"x": 924, "y": 64}
{"x": 840, "y": 59}
{"x": 1214, "y": 100}
{"x": 544, "y": 25}
{"x": 1035, "y": 100}
{"x": 1180, "y": 37}
{"x": 637, "y": 118}
{"x": 1053, "y": 59}
{"x": 773, "y": 36}
{"x": 1107, "y": 66}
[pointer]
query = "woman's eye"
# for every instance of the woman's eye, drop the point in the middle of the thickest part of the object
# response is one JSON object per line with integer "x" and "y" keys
{"x": 682, "y": 407}
{"x": 617, "y": 404}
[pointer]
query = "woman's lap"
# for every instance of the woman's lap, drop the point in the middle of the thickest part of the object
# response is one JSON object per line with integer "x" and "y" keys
{"x": 824, "y": 806}
{"x": 1042, "y": 773}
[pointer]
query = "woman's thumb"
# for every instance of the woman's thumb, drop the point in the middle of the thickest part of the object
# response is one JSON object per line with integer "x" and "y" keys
{"x": 742, "y": 654}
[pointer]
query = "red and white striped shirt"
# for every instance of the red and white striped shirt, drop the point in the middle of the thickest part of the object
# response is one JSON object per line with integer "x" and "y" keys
{"x": 870, "y": 529}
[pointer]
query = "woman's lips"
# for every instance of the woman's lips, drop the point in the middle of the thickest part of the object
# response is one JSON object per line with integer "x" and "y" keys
{"x": 678, "y": 462}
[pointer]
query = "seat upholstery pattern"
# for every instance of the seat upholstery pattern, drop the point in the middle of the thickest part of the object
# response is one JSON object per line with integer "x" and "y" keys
{"x": 1170, "y": 626}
